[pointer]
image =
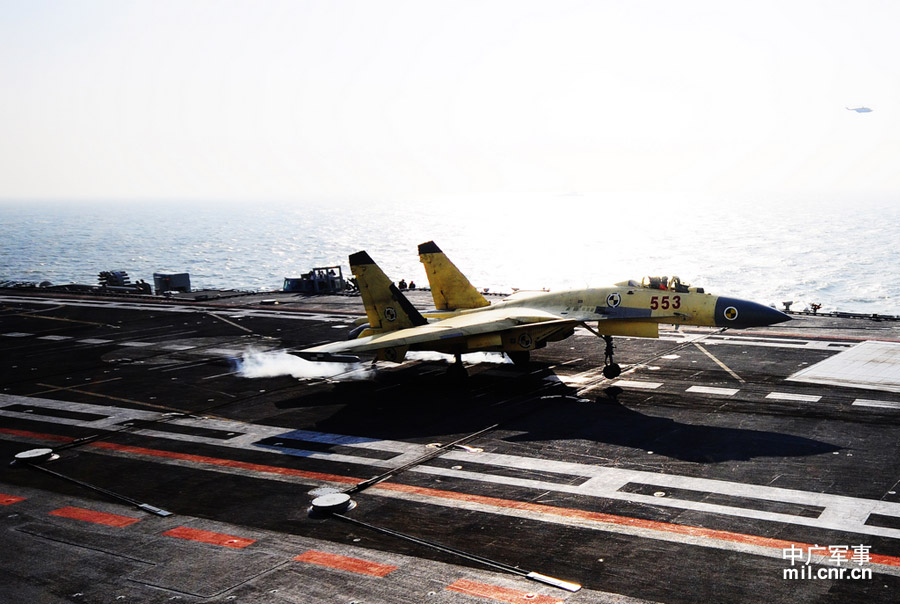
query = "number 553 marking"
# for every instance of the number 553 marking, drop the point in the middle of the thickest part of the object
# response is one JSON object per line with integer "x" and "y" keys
{"x": 665, "y": 302}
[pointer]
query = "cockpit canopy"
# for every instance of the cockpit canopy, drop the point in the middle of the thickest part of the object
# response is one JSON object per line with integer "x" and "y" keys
{"x": 664, "y": 283}
{"x": 661, "y": 283}
{"x": 674, "y": 284}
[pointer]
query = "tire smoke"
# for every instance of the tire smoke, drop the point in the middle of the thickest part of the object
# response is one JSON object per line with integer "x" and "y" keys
{"x": 263, "y": 364}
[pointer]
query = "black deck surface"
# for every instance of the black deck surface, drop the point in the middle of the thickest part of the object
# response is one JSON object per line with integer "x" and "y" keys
{"x": 693, "y": 477}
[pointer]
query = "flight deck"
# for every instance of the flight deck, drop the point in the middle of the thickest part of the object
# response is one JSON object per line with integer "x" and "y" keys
{"x": 143, "y": 466}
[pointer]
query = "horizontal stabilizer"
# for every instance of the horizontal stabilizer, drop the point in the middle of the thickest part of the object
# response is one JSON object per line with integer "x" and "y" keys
{"x": 327, "y": 357}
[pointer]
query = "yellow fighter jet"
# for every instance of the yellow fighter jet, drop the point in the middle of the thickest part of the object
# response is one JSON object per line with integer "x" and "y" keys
{"x": 464, "y": 321}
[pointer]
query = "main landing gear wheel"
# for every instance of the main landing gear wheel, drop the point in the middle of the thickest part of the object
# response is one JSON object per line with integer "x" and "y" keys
{"x": 456, "y": 370}
{"x": 612, "y": 369}
{"x": 520, "y": 358}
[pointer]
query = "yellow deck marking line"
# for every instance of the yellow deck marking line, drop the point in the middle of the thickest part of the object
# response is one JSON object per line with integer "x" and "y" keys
{"x": 97, "y": 394}
{"x": 40, "y": 316}
{"x": 232, "y": 323}
{"x": 720, "y": 364}
{"x": 72, "y": 387}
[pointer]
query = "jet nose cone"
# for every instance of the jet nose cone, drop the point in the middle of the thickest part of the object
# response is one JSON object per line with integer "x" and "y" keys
{"x": 732, "y": 312}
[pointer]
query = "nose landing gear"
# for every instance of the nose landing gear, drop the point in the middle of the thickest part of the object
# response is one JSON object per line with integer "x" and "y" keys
{"x": 611, "y": 369}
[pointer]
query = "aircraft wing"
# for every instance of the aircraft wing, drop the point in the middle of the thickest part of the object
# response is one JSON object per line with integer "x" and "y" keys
{"x": 457, "y": 327}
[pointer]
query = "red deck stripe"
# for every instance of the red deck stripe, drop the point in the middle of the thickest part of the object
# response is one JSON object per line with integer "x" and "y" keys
{"x": 354, "y": 565}
{"x": 95, "y": 517}
{"x": 9, "y": 499}
{"x": 503, "y": 594}
{"x": 228, "y": 463}
{"x": 680, "y": 529}
{"x": 191, "y": 534}
{"x": 29, "y": 434}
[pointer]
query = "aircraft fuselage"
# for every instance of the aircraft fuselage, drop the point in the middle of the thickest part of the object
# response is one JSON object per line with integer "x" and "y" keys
{"x": 621, "y": 310}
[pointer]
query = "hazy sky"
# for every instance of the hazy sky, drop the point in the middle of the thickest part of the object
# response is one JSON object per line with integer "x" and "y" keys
{"x": 308, "y": 100}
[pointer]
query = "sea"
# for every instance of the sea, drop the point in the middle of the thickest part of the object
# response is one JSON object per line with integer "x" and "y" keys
{"x": 840, "y": 252}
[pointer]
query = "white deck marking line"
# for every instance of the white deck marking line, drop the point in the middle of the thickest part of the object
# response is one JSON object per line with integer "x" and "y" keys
{"x": 787, "y": 396}
{"x": 639, "y": 529}
{"x": 720, "y": 363}
{"x": 575, "y": 379}
{"x": 184, "y": 365}
{"x": 570, "y": 361}
{"x": 746, "y": 342}
{"x": 595, "y": 375}
{"x": 873, "y": 365}
{"x": 772, "y": 547}
{"x": 225, "y": 352}
{"x": 212, "y": 377}
{"x": 841, "y": 513}
{"x": 177, "y": 308}
{"x": 638, "y": 385}
{"x": 17, "y": 334}
{"x": 713, "y": 390}
{"x": 863, "y": 402}
{"x": 758, "y": 545}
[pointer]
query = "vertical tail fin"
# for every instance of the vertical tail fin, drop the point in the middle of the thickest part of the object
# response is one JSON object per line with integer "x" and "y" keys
{"x": 449, "y": 287}
{"x": 387, "y": 309}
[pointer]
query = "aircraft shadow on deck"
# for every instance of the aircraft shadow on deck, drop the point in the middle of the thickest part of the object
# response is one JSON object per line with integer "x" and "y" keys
{"x": 402, "y": 407}
{"x": 616, "y": 424}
